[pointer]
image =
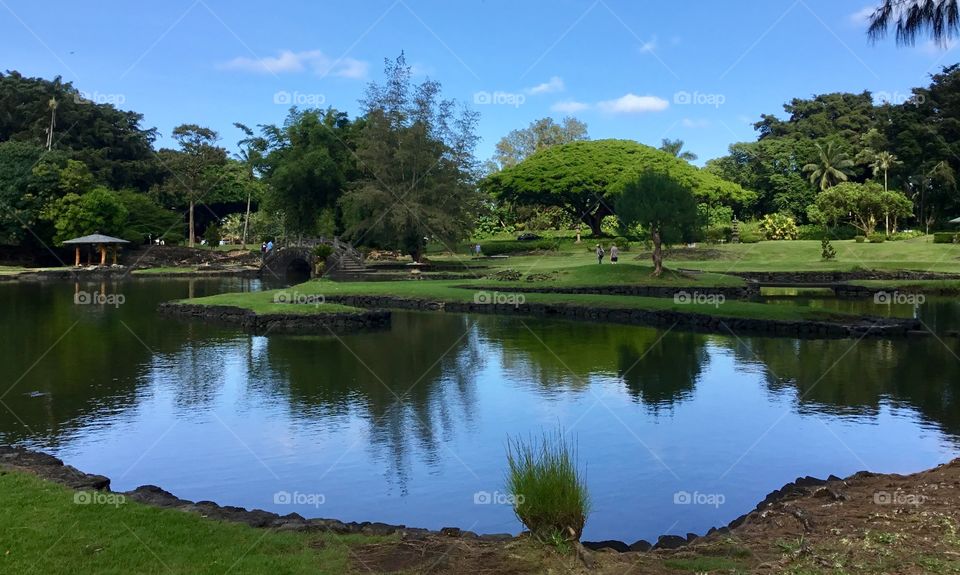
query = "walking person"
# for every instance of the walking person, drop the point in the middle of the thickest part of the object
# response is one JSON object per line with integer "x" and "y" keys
{"x": 614, "y": 253}
{"x": 477, "y": 250}
{"x": 600, "y": 254}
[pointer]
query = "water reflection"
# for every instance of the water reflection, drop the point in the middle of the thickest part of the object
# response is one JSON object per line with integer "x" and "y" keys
{"x": 404, "y": 424}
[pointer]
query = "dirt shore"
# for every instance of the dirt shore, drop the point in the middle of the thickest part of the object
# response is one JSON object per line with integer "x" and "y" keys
{"x": 865, "y": 523}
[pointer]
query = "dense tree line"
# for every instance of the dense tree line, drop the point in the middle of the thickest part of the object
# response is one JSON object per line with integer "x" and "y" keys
{"x": 912, "y": 147}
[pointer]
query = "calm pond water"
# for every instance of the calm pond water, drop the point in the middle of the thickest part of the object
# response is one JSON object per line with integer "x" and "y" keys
{"x": 409, "y": 425}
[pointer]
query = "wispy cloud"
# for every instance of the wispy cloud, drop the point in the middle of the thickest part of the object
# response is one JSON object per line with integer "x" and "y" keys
{"x": 288, "y": 62}
{"x": 649, "y": 46}
{"x": 693, "y": 123}
{"x": 937, "y": 49}
{"x": 861, "y": 17}
{"x": 569, "y": 107}
{"x": 555, "y": 84}
{"x": 633, "y": 104}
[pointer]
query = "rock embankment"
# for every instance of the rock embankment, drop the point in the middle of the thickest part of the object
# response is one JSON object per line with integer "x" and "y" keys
{"x": 336, "y": 322}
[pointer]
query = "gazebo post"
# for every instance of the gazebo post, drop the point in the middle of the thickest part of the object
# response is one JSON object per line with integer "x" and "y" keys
{"x": 115, "y": 250}
{"x": 77, "y": 262}
{"x": 103, "y": 255}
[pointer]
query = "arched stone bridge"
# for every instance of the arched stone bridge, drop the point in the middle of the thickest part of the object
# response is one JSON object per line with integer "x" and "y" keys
{"x": 301, "y": 259}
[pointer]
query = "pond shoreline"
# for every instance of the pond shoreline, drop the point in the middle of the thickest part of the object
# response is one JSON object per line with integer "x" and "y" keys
{"x": 263, "y": 323}
{"x": 123, "y": 272}
{"x": 787, "y": 501}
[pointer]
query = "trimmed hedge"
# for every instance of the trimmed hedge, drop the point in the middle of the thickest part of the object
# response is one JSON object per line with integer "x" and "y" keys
{"x": 877, "y": 238}
{"x": 860, "y": 239}
{"x": 945, "y": 238}
{"x": 501, "y": 247}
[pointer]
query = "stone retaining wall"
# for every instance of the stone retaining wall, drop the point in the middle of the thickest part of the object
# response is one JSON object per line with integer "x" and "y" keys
{"x": 861, "y": 327}
{"x": 748, "y": 291}
{"x": 281, "y": 323}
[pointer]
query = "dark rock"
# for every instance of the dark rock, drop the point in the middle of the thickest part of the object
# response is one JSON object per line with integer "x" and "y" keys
{"x": 670, "y": 542}
{"x": 153, "y": 495}
{"x": 641, "y": 546}
{"x": 451, "y": 531}
{"x": 691, "y": 537}
{"x": 618, "y": 546}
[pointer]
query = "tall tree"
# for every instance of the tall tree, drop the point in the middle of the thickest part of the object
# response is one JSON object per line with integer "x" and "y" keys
{"x": 883, "y": 162}
{"x": 541, "y": 134}
{"x": 831, "y": 167}
{"x": 664, "y": 206}
{"x": 939, "y": 18}
{"x": 418, "y": 176}
{"x": 675, "y": 149}
{"x": 190, "y": 168}
{"x": 251, "y": 155}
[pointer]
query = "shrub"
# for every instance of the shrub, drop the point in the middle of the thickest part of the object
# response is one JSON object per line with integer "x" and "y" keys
{"x": 860, "y": 239}
{"x": 816, "y": 232}
{"x": 716, "y": 234}
{"x": 877, "y": 238}
{"x": 827, "y": 252}
{"x": 550, "y": 494}
{"x": 778, "y": 227}
{"x": 945, "y": 238}
{"x": 500, "y": 247}
{"x": 323, "y": 251}
{"x": 749, "y": 238}
{"x": 620, "y": 241}
{"x": 212, "y": 235}
{"x": 905, "y": 235}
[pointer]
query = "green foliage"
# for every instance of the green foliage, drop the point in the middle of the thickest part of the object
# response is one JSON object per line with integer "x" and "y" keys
{"x": 146, "y": 220}
{"x": 323, "y": 251}
{"x": 584, "y": 178}
{"x": 503, "y": 247}
{"x": 550, "y": 492}
{"x": 541, "y": 134}
{"x": 212, "y": 235}
{"x": 905, "y": 235}
{"x": 778, "y": 227}
{"x": 860, "y": 239}
{"x": 827, "y": 251}
{"x": 861, "y": 205}
{"x": 98, "y": 211}
{"x": 418, "y": 177}
{"x": 818, "y": 231}
{"x": 748, "y": 237}
{"x": 946, "y": 238}
{"x": 830, "y": 167}
{"x": 877, "y": 238}
{"x": 660, "y": 204}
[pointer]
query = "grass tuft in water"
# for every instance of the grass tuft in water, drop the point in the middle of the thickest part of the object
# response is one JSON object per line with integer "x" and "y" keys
{"x": 549, "y": 490}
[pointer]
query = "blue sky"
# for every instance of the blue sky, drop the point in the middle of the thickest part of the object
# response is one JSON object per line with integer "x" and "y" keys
{"x": 699, "y": 70}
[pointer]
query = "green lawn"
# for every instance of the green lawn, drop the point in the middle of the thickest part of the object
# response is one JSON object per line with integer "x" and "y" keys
{"x": 42, "y": 530}
{"x": 276, "y": 302}
{"x": 11, "y": 270}
{"x": 919, "y": 254}
{"x": 466, "y": 291}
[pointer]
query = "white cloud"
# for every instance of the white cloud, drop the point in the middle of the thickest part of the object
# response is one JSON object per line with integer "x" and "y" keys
{"x": 570, "y": 107}
{"x": 649, "y": 46}
{"x": 290, "y": 62}
{"x": 861, "y": 17}
{"x": 937, "y": 49}
{"x": 633, "y": 104}
{"x": 691, "y": 123}
{"x": 555, "y": 84}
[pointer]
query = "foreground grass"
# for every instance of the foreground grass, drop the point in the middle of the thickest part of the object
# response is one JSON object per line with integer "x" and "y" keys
{"x": 42, "y": 530}
{"x": 461, "y": 291}
{"x": 596, "y": 275}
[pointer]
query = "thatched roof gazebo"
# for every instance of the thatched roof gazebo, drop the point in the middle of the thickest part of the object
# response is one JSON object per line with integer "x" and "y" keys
{"x": 99, "y": 240}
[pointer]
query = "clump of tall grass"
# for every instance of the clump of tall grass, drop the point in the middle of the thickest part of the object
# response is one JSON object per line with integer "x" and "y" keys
{"x": 549, "y": 491}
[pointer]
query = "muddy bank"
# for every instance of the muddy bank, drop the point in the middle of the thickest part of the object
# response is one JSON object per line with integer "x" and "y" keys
{"x": 809, "y": 522}
{"x": 860, "y": 327}
{"x": 343, "y": 322}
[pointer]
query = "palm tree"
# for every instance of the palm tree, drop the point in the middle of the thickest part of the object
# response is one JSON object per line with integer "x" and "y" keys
{"x": 913, "y": 17}
{"x": 675, "y": 149}
{"x": 832, "y": 167}
{"x": 883, "y": 162}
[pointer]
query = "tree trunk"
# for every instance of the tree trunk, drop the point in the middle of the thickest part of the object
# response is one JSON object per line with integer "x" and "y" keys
{"x": 193, "y": 237}
{"x": 657, "y": 252}
{"x": 246, "y": 222}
